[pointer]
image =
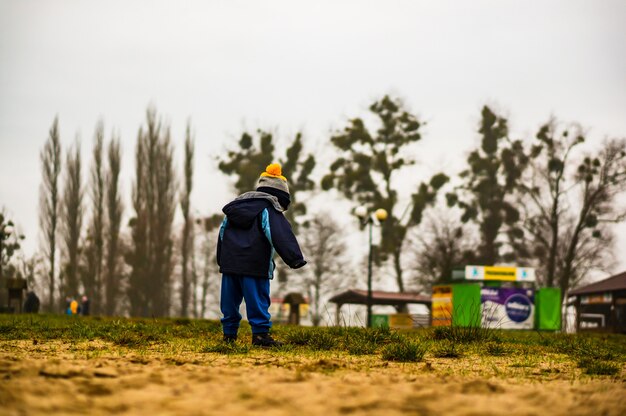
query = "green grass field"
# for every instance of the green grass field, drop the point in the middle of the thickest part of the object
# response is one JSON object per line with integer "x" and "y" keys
{"x": 595, "y": 354}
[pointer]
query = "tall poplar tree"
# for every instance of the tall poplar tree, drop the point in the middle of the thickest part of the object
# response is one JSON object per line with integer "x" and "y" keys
{"x": 187, "y": 237}
{"x": 50, "y": 158}
{"x": 154, "y": 201}
{"x": 94, "y": 250}
{"x": 114, "y": 211}
{"x": 72, "y": 221}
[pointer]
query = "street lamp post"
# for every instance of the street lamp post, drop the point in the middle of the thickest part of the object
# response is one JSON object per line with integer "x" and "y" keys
{"x": 380, "y": 215}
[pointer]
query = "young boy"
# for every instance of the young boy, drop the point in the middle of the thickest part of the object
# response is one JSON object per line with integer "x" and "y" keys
{"x": 252, "y": 231}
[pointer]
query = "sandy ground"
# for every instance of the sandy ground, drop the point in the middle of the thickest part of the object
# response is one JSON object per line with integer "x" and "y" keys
{"x": 57, "y": 379}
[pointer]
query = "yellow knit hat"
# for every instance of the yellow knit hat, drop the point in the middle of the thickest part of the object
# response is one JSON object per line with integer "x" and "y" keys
{"x": 274, "y": 170}
{"x": 274, "y": 183}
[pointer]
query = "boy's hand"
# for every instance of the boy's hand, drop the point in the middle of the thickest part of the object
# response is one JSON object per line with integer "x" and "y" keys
{"x": 299, "y": 264}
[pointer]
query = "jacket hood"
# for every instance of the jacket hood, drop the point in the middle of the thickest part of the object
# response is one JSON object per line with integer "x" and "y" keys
{"x": 244, "y": 209}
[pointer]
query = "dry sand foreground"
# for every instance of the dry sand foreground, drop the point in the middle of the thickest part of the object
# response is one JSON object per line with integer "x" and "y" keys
{"x": 54, "y": 379}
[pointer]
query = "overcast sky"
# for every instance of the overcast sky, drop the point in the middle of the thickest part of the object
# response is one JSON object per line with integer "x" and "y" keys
{"x": 289, "y": 66}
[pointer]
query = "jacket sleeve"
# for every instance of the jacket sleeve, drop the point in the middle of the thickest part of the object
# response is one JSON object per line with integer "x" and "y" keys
{"x": 284, "y": 240}
{"x": 219, "y": 251}
{"x": 220, "y": 237}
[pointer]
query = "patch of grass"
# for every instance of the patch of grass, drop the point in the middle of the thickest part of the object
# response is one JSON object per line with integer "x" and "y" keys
{"x": 404, "y": 350}
{"x": 603, "y": 347}
{"x": 226, "y": 348}
{"x": 6, "y": 331}
{"x": 182, "y": 321}
{"x": 447, "y": 349}
{"x": 323, "y": 341}
{"x": 496, "y": 349}
{"x": 128, "y": 339}
{"x": 298, "y": 336}
{"x": 317, "y": 339}
{"x": 365, "y": 341}
{"x": 526, "y": 361}
{"x": 592, "y": 366}
{"x": 462, "y": 334}
{"x": 358, "y": 346}
{"x": 380, "y": 335}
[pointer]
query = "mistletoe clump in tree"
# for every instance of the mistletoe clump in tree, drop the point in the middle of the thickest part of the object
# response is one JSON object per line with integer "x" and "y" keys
{"x": 251, "y": 157}
{"x": 487, "y": 194}
{"x": 365, "y": 168}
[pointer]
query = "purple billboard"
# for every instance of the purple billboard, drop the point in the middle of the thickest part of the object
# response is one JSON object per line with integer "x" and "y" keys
{"x": 507, "y": 307}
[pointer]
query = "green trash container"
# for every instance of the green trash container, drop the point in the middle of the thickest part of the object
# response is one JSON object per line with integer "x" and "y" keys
{"x": 466, "y": 307}
{"x": 380, "y": 321}
{"x": 548, "y": 309}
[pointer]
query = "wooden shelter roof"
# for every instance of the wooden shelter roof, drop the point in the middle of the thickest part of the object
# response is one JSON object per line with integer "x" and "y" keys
{"x": 611, "y": 284}
{"x": 359, "y": 297}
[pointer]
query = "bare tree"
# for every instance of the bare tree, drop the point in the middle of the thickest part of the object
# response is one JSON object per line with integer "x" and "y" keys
{"x": 154, "y": 200}
{"x": 601, "y": 180}
{"x": 206, "y": 266}
{"x": 325, "y": 251}
{"x": 545, "y": 194}
{"x": 114, "y": 215}
{"x": 94, "y": 247}
{"x": 568, "y": 204}
{"x": 439, "y": 246}
{"x": 50, "y": 158}
{"x": 208, "y": 269}
{"x": 194, "y": 276}
{"x": 137, "y": 257}
{"x": 72, "y": 219}
{"x": 187, "y": 237}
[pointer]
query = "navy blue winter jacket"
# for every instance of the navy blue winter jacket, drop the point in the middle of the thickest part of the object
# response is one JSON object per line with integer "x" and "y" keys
{"x": 252, "y": 231}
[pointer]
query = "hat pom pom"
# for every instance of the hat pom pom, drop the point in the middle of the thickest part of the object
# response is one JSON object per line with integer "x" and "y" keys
{"x": 274, "y": 169}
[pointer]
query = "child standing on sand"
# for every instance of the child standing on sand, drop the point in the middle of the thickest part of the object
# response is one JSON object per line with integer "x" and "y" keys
{"x": 252, "y": 231}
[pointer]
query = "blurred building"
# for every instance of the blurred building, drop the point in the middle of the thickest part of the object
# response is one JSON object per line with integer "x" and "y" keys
{"x": 601, "y": 306}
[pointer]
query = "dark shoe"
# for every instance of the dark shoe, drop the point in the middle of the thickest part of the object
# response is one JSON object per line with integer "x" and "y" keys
{"x": 265, "y": 340}
{"x": 230, "y": 339}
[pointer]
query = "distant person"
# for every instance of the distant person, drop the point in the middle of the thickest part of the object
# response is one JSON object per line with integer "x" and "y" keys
{"x": 68, "y": 303}
{"x": 252, "y": 231}
{"x": 73, "y": 307}
{"x": 84, "y": 306}
{"x": 31, "y": 303}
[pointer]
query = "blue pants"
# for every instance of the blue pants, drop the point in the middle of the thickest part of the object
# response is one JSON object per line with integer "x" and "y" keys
{"x": 256, "y": 292}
